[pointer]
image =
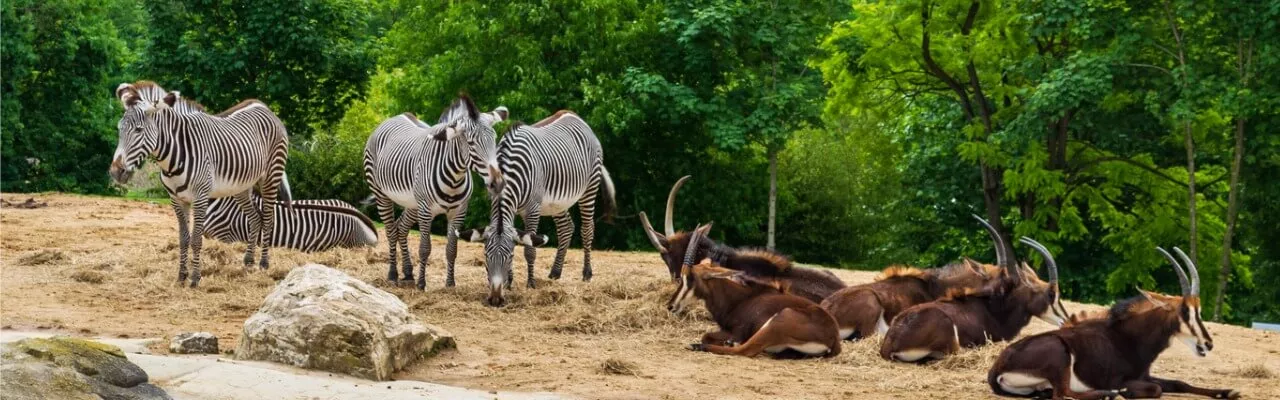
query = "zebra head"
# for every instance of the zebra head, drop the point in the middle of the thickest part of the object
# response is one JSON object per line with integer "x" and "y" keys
{"x": 500, "y": 238}
{"x": 136, "y": 140}
{"x": 462, "y": 118}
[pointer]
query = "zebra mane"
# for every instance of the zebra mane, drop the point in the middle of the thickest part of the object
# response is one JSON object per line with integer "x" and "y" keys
{"x": 456, "y": 109}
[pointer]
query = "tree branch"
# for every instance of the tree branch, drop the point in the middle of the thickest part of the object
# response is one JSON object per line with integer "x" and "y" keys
{"x": 1161, "y": 69}
{"x": 936, "y": 70}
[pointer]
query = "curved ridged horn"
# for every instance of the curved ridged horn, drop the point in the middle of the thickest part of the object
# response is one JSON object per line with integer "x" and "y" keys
{"x": 1182, "y": 276}
{"x": 694, "y": 239}
{"x": 669, "y": 223}
{"x": 1191, "y": 270}
{"x": 1049, "y": 263}
{"x": 1002, "y": 254}
{"x": 652, "y": 234}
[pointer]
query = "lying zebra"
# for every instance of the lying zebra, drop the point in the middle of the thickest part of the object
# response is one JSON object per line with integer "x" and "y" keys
{"x": 311, "y": 225}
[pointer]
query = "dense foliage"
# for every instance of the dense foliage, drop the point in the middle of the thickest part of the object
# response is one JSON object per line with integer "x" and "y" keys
{"x": 1102, "y": 128}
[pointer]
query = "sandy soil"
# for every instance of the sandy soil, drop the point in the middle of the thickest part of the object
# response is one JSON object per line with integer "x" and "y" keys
{"x": 107, "y": 267}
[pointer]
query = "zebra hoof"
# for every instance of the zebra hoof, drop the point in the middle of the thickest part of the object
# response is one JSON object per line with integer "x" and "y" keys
{"x": 422, "y": 284}
{"x": 195, "y": 283}
{"x": 555, "y": 274}
{"x": 586, "y": 276}
{"x": 182, "y": 278}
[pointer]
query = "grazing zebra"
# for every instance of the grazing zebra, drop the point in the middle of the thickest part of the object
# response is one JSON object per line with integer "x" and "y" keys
{"x": 542, "y": 169}
{"x": 202, "y": 157}
{"x": 426, "y": 170}
{"x": 310, "y": 225}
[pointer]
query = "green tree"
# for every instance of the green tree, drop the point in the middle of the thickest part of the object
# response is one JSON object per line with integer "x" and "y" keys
{"x": 743, "y": 69}
{"x": 61, "y": 58}
{"x": 307, "y": 59}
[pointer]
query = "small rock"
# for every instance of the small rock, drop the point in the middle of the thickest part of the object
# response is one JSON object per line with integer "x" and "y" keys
{"x": 194, "y": 343}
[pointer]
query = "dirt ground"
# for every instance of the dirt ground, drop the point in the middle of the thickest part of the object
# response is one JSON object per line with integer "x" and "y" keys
{"x": 102, "y": 266}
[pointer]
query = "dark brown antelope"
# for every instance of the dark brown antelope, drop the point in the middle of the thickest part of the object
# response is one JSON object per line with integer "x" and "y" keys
{"x": 755, "y": 314}
{"x": 1105, "y": 356}
{"x": 809, "y": 283}
{"x": 972, "y": 317}
{"x": 866, "y": 309}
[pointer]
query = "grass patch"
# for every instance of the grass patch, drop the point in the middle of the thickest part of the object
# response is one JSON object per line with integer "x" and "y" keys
{"x": 88, "y": 276}
{"x": 42, "y": 257}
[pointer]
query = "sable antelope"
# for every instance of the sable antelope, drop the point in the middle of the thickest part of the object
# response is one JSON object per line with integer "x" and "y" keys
{"x": 755, "y": 314}
{"x": 1110, "y": 355}
{"x": 865, "y": 309}
{"x": 809, "y": 283}
{"x": 970, "y": 318}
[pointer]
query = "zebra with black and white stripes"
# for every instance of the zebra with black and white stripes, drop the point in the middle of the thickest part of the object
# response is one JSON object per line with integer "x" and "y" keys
{"x": 202, "y": 157}
{"x": 542, "y": 169}
{"x": 308, "y": 225}
{"x": 426, "y": 170}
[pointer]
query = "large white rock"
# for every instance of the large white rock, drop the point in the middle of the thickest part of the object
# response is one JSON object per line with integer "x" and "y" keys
{"x": 321, "y": 318}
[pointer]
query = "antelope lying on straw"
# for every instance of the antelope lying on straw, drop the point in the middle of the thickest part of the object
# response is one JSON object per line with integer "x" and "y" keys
{"x": 970, "y": 318}
{"x": 1110, "y": 355}
{"x": 811, "y": 284}
{"x": 755, "y": 314}
{"x": 865, "y": 309}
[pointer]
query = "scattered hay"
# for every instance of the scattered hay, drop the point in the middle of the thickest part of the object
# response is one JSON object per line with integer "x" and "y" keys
{"x": 42, "y": 257}
{"x": 103, "y": 266}
{"x": 277, "y": 274}
{"x": 88, "y": 276}
{"x": 979, "y": 358}
{"x": 614, "y": 366}
{"x": 1256, "y": 371}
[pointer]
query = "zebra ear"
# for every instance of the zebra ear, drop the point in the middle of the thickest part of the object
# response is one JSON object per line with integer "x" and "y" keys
{"x": 172, "y": 98}
{"x": 530, "y": 239}
{"x": 501, "y": 112}
{"x": 448, "y": 133}
{"x": 127, "y": 94}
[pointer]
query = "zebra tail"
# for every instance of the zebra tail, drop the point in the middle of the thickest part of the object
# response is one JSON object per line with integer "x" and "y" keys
{"x": 286, "y": 195}
{"x": 608, "y": 204}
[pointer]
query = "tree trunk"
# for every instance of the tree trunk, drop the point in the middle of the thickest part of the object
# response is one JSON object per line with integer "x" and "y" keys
{"x": 773, "y": 197}
{"x": 1233, "y": 208}
{"x": 1191, "y": 191}
{"x": 991, "y": 178}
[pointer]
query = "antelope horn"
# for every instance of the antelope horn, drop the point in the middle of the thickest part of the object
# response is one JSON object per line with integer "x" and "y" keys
{"x": 1191, "y": 269}
{"x": 671, "y": 206}
{"x": 1182, "y": 276}
{"x": 1002, "y": 254}
{"x": 1049, "y": 263}
{"x": 652, "y": 234}
{"x": 692, "y": 251}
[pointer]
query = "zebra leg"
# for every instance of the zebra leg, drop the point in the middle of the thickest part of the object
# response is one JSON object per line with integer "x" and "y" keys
{"x": 531, "y": 252}
{"x": 456, "y": 216}
{"x": 245, "y": 201}
{"x": 587, "y": 211}
{"x": 199, "y": 208}
{"x": 408, "y": 218}
{"x": 564, "y": 236}
{"x": 424, "y": 244}
{"x": 180, "y": 209}
{"x": 387, "y": 212}
{"x": 267, "y": 231}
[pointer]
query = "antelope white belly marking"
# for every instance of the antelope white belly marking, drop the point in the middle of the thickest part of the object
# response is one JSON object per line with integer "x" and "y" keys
{"x": 1020, "y": 383}
{"x": 811, "y": 348}
{"x": 881, "y": 326}
{"x": 1076, "y": 384}
{"x": 911, "y": 355}
{"x": 845, "y": 332}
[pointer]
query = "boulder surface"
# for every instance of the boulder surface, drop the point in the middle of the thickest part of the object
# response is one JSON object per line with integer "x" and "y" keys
{"x": 321, "y": 318}
{"x": 67, "y": 368}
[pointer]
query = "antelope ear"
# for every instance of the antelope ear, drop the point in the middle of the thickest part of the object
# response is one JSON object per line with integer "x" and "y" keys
{"x": 974, "y": 266}
{"x": 1152, "y": 297}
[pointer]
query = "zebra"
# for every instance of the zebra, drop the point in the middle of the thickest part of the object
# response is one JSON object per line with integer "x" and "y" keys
{"x": 426, "y": 170}
{"x": 310, "y": 225}
{"x": 542, "y": 169}
{"x": 204, "y": 156}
